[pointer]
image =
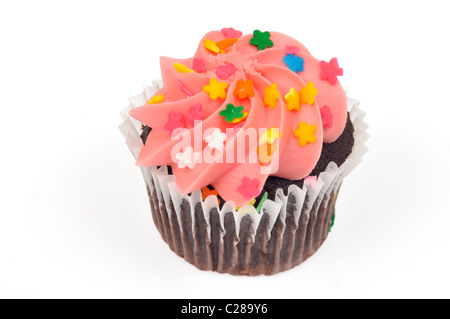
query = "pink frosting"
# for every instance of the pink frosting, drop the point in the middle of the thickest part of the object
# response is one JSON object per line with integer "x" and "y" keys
{"x": 264, "y": 68}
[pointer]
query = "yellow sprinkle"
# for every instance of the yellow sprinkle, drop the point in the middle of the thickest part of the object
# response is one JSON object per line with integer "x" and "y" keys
{"x": 157, "y": 99}
{"x": 211, "y": 45}
{"x": 251, "y": 203}
{"x": 236, "y": 121}
{"x": 293, "y": 100}
{"x": 271, "y": 96}
{"x": 308, "y": 93}
{"x": 305, "y": 133}
{"x": 182, "y": 68}
{"x": 270, "y": 136}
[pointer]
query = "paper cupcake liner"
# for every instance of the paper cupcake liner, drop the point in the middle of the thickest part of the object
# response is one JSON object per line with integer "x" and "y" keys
{"x": 288, "y": 230}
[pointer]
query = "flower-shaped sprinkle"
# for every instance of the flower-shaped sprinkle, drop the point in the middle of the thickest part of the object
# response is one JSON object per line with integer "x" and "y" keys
{"x": 261, "y": 40}
{"x": 249, "y": 188}
{"x": 206, "y": 192}
{"x": 327, "y": 116}
{"x": 231, "y": 33}
{"x": 265, "y": 153}
{"x": 216, "y": 89}
{"x": 239, "y": 120}
{"x": 232, "y": 112}
{"x": 294, "y": 63}
{"x": 308, "y": 94}
{"x": 271, "y": 96}
{"x": 188, "y": 158}
{"x": 292, "y": 49}
{"x": 176, "y": 120}
{"x": 224, "y": 44}
{"x": 216, "y": 139}
{"x": 293, "y": 100}
{"x": 305, "y": 133}
{"x": 244, "y": 89}
{"x": 330, "y": 71}
{"x": 195, "y": 114}
{"x": 223, "y": 72}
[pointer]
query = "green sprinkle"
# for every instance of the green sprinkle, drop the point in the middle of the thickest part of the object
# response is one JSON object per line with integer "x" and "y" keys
{"x": 332, "y": 222}
{"x": 232, "y": 112}
{"x": 261, "y": 202}
{"x": 261, "y": 40}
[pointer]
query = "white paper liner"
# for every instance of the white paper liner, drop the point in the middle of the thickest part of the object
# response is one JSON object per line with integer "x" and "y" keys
{"x": 310, "y": 207}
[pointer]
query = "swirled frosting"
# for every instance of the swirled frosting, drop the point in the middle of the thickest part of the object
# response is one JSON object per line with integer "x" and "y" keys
{"x": 266, "y": 81}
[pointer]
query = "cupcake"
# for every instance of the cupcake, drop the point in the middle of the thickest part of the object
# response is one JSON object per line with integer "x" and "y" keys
{"x": 243, "y": 149}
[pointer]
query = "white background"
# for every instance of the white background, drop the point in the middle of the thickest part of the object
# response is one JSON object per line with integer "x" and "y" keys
{"x": 74, "y": 214}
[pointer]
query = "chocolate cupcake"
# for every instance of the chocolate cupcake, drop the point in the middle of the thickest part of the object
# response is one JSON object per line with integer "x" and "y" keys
{"x": 243, "y": 149}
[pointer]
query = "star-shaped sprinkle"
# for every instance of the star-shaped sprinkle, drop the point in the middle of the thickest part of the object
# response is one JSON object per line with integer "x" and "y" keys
{"x": 211, "y": 46}
{"x": 182, "y": 68}
{"x": 330, "y": 71}
{"x": 244, "y": 89}
{"x": 195, "y": 114}
{"x": 292, "y": 49}
{"x": 305, "y": 133}
{"x": 294, "y": 63}
{"x": 232, "y": 113}
{"x": 188, "y": 158}
{"x": 223, "y": 72}
{"x": 261, "y": 40}
{"x": 231, "y": 33}
{"x": 216, "y": 89}
{"x": 327, "y": 116}
{"x": 249, "y": 188}
{"x": 271, "y": 96}
{"x": 216, "y": 139}
{"x": 199, "y": 65}
{"x": 270, "y": 136}
{"x": 157, "y": 99}
{"x": 308, "y": 94}
{"x": 176, "y": 120}
{"x": 293, "y": 100}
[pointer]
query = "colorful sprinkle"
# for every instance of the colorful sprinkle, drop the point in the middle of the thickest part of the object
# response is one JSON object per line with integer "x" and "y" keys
{"x": 271, "y": 96}
{"x": 232, "y": 113}
{"x": 293, "y": 100}
{"x": 327, "y": 116}
{"x": 292, "y": 49}
{"x": 294, "y": 63}
{"x": 206, "y": 192}
{"x": 249, "y": 188}
{"x": 244, "y": 89}
{"x": 270, "y": 136}
{"x": 261, "y": 40}
{"x": 305, "y": 133}
{"x": 211, "y": 46}
{"x": 176, "y": 120}
{"x": 199, "y": 65}
{"x": 265, "y": 153}
{"x": 330, "y": 71}
{"x": 231, "y": 33}
{"x": 223, "y": 72}
{"x": 188, "y": 158}
{"x": 157, "y": 99}
{"x": 184, "y": 89}
{"x": 308, "y": 94}
{"x": 195, "y": 114}
{"x": 239, "y": 120}
{"x": 182, "y": 68}
{"x": 216, "y": 139}
{"x": 216, "y": 89}
{"x": 252, "y": 203}
{"x": 225, "y": 44}
{"x": 261, "y": 202}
